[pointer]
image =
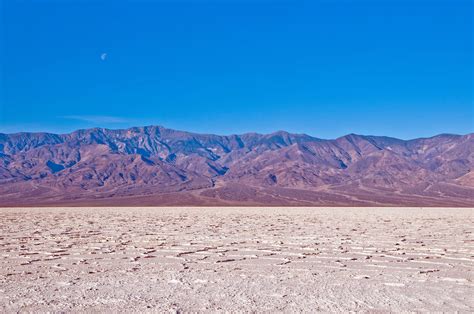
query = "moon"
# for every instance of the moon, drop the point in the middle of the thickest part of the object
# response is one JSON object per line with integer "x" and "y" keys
{"x": 103, "y": 56}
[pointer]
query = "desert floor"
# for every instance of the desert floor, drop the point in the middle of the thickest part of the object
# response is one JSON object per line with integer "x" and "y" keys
{"x": 236, "y": 259}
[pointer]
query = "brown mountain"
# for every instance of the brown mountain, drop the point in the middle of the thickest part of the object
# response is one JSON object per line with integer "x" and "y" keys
{"x": 158, "y": 166}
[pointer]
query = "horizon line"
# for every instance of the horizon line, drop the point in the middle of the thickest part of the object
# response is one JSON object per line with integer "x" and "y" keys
{"x": 233, "y": 134}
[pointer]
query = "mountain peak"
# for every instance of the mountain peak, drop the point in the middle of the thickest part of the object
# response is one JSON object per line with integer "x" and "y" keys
{"x": 92, "y": 165}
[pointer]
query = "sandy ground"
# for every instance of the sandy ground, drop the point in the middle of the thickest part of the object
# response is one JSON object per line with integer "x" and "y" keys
{"x": 236, "y": 259}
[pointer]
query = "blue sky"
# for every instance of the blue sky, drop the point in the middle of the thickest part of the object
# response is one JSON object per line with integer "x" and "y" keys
{"x": 323, "y": 67}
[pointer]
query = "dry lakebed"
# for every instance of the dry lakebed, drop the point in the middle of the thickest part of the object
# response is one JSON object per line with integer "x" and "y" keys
{"x": 236, "y": 259}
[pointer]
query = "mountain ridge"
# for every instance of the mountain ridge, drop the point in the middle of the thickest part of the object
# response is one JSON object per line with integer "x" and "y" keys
{"x": 155, "y": 165}
{"x": 223, "y": 135}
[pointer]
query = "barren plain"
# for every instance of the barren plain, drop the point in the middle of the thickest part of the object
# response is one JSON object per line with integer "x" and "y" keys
{"x": 236, "y": 259}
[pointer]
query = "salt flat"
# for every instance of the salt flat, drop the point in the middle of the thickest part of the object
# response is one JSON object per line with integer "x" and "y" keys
{"x": 236, "y": 259}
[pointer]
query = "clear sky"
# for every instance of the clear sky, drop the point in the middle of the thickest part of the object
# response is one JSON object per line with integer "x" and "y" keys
{"x": 400, "y": 68}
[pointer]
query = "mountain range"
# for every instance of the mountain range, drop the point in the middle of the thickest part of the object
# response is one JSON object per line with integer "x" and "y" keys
{"x": 153, "y": 165}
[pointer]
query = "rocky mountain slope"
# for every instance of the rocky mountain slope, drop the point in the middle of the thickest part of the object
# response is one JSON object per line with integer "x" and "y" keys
{"x": 158, "y": 166}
